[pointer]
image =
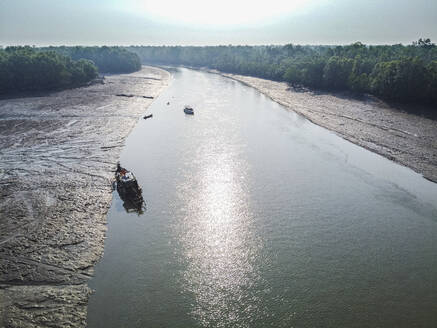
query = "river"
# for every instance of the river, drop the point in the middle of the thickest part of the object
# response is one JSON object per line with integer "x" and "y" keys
{"x": 256, "y": 217}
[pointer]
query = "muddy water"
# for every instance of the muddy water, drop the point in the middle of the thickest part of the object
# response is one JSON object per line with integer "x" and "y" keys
{"x": 258, "y": 218}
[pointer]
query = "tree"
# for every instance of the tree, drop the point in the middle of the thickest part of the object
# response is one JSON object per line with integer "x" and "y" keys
{"x": 28, "y": 69}
{"x": 424, "y": 43}
{"x": 337, "y": 72}
{"x": 400, "y": 80}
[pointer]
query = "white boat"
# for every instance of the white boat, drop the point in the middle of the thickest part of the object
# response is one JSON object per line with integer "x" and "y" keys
{"x": 188, "y": 110}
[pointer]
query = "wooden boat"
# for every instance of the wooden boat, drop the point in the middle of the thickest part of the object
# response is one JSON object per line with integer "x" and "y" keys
{"x": 126, "y": 181}
{"x": 129, "y": 191}
{"x": 148, "y": 116}
{"x": 188, "y": 110}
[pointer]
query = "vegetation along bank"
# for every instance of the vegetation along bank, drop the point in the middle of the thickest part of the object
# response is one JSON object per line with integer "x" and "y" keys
{"x": 53, "y": 68}
{"x": 399, "y": 73}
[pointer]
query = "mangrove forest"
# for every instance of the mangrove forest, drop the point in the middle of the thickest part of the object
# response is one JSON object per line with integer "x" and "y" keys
{"x": 400, "y": 73}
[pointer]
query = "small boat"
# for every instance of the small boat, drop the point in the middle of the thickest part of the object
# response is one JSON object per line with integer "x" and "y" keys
{"x": 129, "y": 191}
{"x": 188, "y": 110}
{"x": 148, "y": 116}
{"x": 126, "y": 180}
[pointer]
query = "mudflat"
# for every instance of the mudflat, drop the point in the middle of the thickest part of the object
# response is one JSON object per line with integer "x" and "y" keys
{"x": 58, "y": 155}
{"x": 408, "y": 139}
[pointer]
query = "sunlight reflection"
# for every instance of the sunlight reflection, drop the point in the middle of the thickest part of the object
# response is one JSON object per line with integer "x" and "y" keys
{"x": 219, "y": 243}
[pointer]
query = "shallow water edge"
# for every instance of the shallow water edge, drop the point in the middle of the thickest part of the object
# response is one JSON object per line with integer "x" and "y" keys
{"x": 404, "y": 138}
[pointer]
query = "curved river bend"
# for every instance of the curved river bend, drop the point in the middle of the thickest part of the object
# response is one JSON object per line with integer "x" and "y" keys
{"x": 258, "y": 218}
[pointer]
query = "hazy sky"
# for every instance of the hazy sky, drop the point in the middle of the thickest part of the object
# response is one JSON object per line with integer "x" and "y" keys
{"x": 197, "y": 22}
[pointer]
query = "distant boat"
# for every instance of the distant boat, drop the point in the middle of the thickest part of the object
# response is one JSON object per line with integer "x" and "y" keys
{"x": 188, "y": 110}
{"x": 148, "y": 116}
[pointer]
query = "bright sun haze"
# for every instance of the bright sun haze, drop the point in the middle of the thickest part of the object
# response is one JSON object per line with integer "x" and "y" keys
{"x": 219, "y": 13}
{"x": 203, "y": 22}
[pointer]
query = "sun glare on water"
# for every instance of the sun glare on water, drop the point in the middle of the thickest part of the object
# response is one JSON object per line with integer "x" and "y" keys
{"x": 223, "y": 12}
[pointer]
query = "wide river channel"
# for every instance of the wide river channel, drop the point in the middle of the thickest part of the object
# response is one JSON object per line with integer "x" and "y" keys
{"x": 258, "y": 218}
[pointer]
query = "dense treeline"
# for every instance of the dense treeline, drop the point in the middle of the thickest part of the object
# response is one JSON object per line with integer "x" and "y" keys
{"x": 36, "y": 69}
{"x": 27, "y": 69}
{"x": 397, "y": 72}
{"x": 107, "y": 59}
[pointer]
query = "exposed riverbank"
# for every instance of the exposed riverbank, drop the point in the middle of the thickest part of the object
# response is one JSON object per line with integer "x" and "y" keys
{"x": 58, "y": 155}
{"x": 404, "y": 138}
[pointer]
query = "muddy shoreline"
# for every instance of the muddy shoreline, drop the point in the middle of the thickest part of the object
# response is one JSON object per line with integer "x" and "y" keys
{"x": 407, "y": 139}
{"x": 58, "y": 155}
